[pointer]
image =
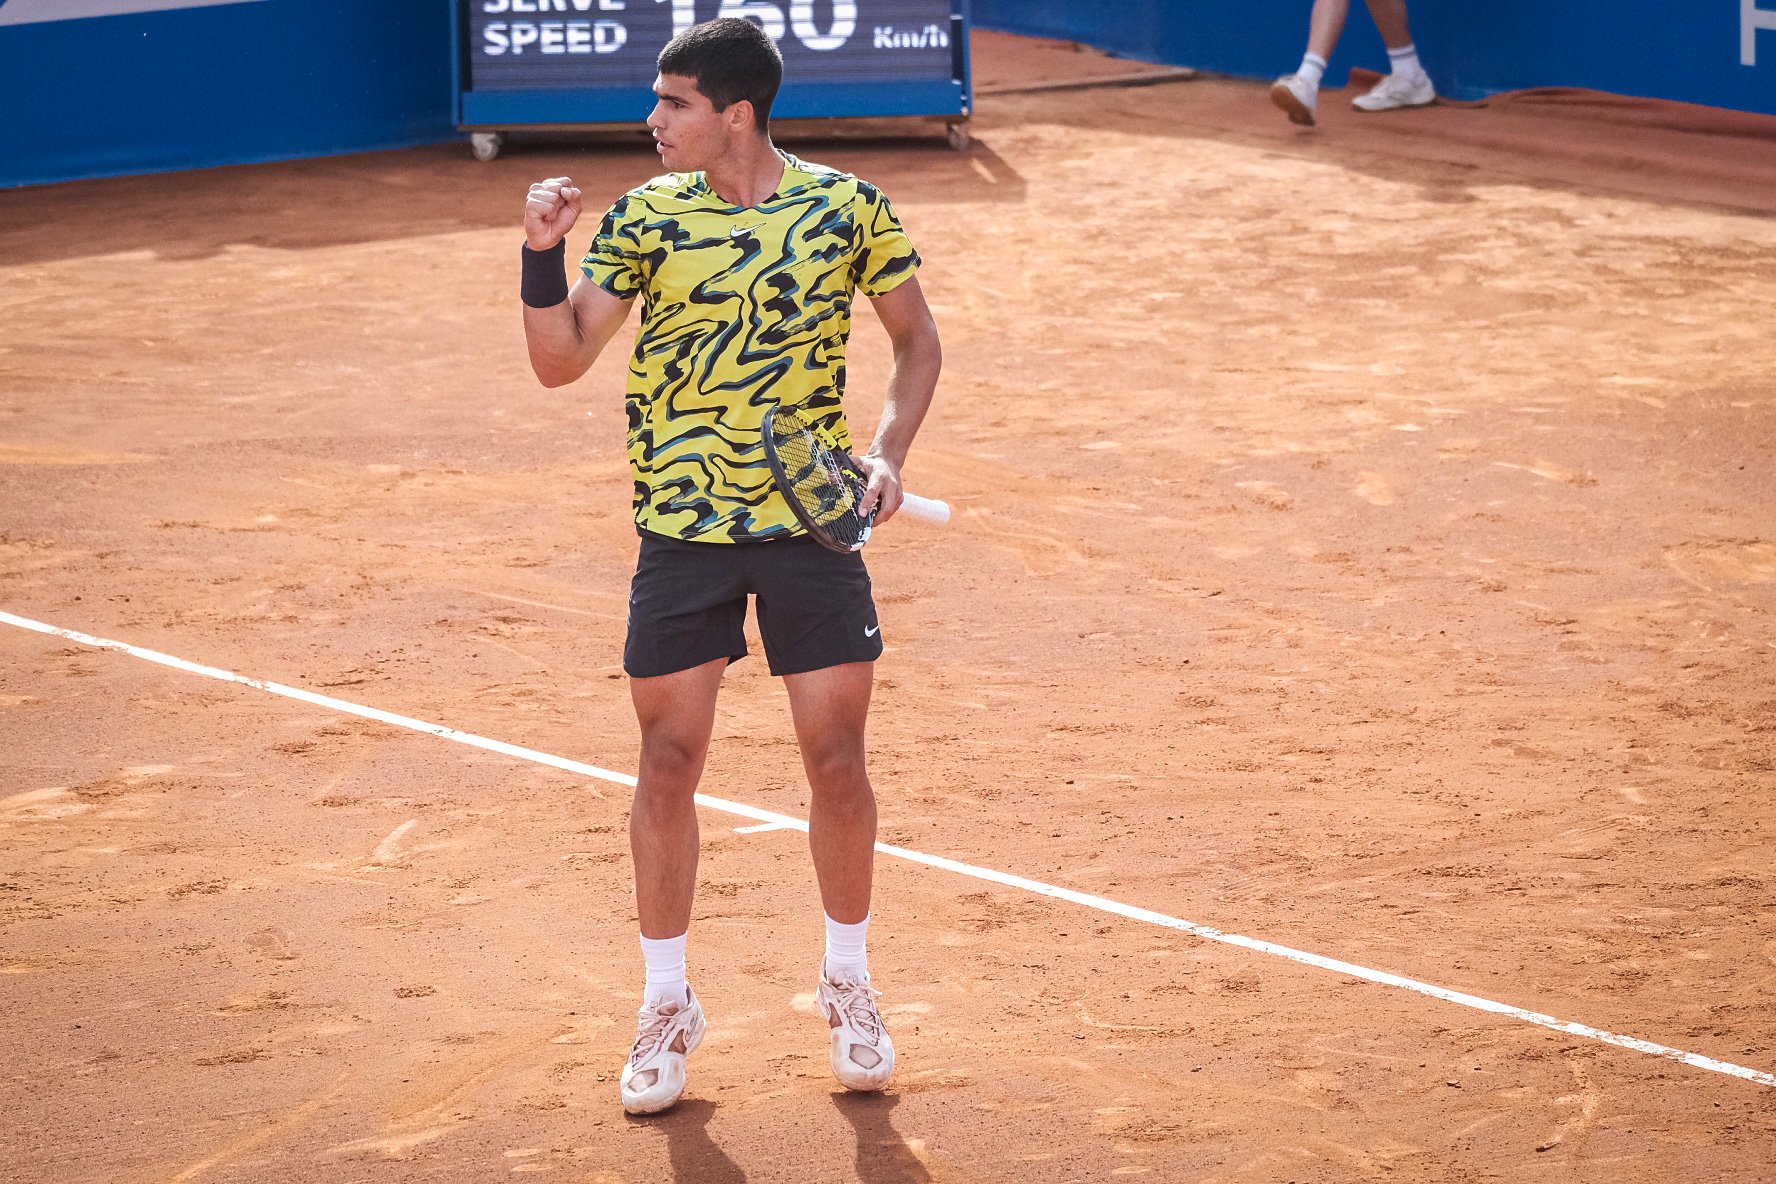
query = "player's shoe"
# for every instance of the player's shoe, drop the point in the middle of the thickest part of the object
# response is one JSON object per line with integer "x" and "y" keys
{"x": 654, "y": 1076}
{"x": 862, "y": 1055}
{"x": 1396, "y": 91}
{"x": 1297, "y": 97}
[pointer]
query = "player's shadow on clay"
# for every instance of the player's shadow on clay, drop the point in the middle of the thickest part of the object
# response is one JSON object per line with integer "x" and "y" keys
{"x": 883, "y": 1156}
{"x": 696, "y": 1158}
{"x": 302, "y": 205}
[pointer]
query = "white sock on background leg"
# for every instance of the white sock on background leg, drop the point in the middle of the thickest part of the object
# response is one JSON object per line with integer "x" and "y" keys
{"x": 665, "y": 958}
{"x": 1312, "y": 69}
{"x": 847, "y": 949}
{"x": 1405, "y": 61}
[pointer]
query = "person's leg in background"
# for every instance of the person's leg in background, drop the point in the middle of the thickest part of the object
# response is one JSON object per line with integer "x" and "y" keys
{"x": 1407, "y": 85}
{"x": 1297, "y": 94}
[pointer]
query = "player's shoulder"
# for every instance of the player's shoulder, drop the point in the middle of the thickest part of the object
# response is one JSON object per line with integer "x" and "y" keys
{"x": 664, "y": 191}
{"x": 803, "y": 176}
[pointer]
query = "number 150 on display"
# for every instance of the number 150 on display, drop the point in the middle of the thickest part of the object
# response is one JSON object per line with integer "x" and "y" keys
{"x": 610, "y": 35}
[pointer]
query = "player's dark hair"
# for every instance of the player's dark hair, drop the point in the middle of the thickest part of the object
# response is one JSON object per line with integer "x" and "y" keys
{"x": 730, "y": 59}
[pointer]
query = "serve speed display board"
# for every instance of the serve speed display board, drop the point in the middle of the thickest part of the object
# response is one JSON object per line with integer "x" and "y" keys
{"x": 519, "y": 45}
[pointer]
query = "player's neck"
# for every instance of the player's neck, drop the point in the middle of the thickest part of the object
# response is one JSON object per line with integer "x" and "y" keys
{"x": 748, "y": 175}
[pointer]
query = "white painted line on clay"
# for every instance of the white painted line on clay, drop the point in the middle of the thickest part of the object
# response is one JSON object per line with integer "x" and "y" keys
{"x": 762, "y": 827}
{"x": 387, "y": 717}
{"x": 775, "y": 821}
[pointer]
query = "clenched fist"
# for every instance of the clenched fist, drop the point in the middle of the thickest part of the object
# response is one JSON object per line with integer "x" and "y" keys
{"x": 550, "y": 211}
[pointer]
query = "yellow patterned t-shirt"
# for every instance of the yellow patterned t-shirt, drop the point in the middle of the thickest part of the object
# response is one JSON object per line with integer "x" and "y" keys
{"x": 742, "y": 309}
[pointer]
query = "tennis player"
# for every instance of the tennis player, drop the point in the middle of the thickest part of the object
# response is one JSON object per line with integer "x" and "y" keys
{"x": 746, "y": 261}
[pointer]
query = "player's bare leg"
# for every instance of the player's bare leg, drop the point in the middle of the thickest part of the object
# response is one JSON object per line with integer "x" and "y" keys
{"x": 1326, "y": 25}
{"x": 677, "y": 715}
{"x": 1390, "y": 19}
{"x": 830, "y": 707}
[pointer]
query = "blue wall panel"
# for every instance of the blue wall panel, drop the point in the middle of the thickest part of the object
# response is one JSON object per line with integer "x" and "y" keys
{"x": 203, "y": 82}
{"x": 219, "y": 84}
{"x": 1653, "y": 48}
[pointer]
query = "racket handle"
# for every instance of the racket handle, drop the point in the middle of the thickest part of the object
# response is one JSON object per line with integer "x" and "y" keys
{"x": 926, "y": 509}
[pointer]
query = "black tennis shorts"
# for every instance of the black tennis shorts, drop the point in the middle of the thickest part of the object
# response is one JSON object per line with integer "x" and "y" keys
{"x": 687, "y": 605}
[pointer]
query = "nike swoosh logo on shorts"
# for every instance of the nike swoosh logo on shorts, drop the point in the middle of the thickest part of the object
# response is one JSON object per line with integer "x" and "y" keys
{"x": 871, "y": 630}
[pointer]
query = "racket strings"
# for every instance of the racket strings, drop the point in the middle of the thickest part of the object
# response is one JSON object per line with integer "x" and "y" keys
{"x": 816, "y": 480}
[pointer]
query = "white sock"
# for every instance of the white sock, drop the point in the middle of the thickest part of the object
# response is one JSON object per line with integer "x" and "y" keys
{"x": 1405, "y": 61}
{"x": 1312, "y": 68}
{"x": 847, "y": 949}
{"x": 665, "y": 958}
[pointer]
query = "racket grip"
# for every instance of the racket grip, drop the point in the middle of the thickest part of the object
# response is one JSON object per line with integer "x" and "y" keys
{"x": 926, "y": 509}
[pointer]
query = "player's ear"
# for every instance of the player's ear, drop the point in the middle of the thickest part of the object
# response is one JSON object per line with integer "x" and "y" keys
{"x": 740, "y": 116}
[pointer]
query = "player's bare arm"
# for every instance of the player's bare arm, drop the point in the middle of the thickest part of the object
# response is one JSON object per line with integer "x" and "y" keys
{"x": 563, "y": 338}
{"x": 918, "y": 359}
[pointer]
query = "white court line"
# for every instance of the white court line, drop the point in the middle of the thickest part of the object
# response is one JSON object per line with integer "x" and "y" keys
{"x": 775, "y": 821}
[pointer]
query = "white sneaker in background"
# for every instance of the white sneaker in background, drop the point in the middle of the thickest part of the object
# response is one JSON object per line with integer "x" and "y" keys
{"x": 1297, "y": 97}
{"x": 1396, "y": 91}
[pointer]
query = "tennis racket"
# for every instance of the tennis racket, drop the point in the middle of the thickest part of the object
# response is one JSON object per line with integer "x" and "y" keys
{"x": 824, "y": 485}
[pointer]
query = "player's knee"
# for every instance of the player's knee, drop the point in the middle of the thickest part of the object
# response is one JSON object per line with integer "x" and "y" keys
{"x": 670, "y": 759}
{"x": 837, "y": 769}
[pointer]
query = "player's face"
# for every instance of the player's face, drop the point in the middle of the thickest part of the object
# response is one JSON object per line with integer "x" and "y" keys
{"x": 689, "y": 132}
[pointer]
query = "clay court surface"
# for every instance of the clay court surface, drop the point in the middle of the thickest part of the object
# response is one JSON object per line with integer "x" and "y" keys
{"x": 1365, "y": 541}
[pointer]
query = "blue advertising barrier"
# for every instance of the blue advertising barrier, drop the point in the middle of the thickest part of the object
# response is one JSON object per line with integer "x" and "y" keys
{"x": 92, "y": 88}
{"x": 1717, "y": 52}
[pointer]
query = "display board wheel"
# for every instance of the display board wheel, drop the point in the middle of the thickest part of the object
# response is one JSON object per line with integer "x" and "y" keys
{"x": 487, "y": 145}
{"x": 959, "y": 137}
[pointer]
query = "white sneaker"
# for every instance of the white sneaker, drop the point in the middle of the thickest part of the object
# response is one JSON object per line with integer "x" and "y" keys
{"x": 1297, "y": 97}
{"x": 1398, "y": 90}
{"x": 862, "y": 1055}
{"x": 654, "y": 1076}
